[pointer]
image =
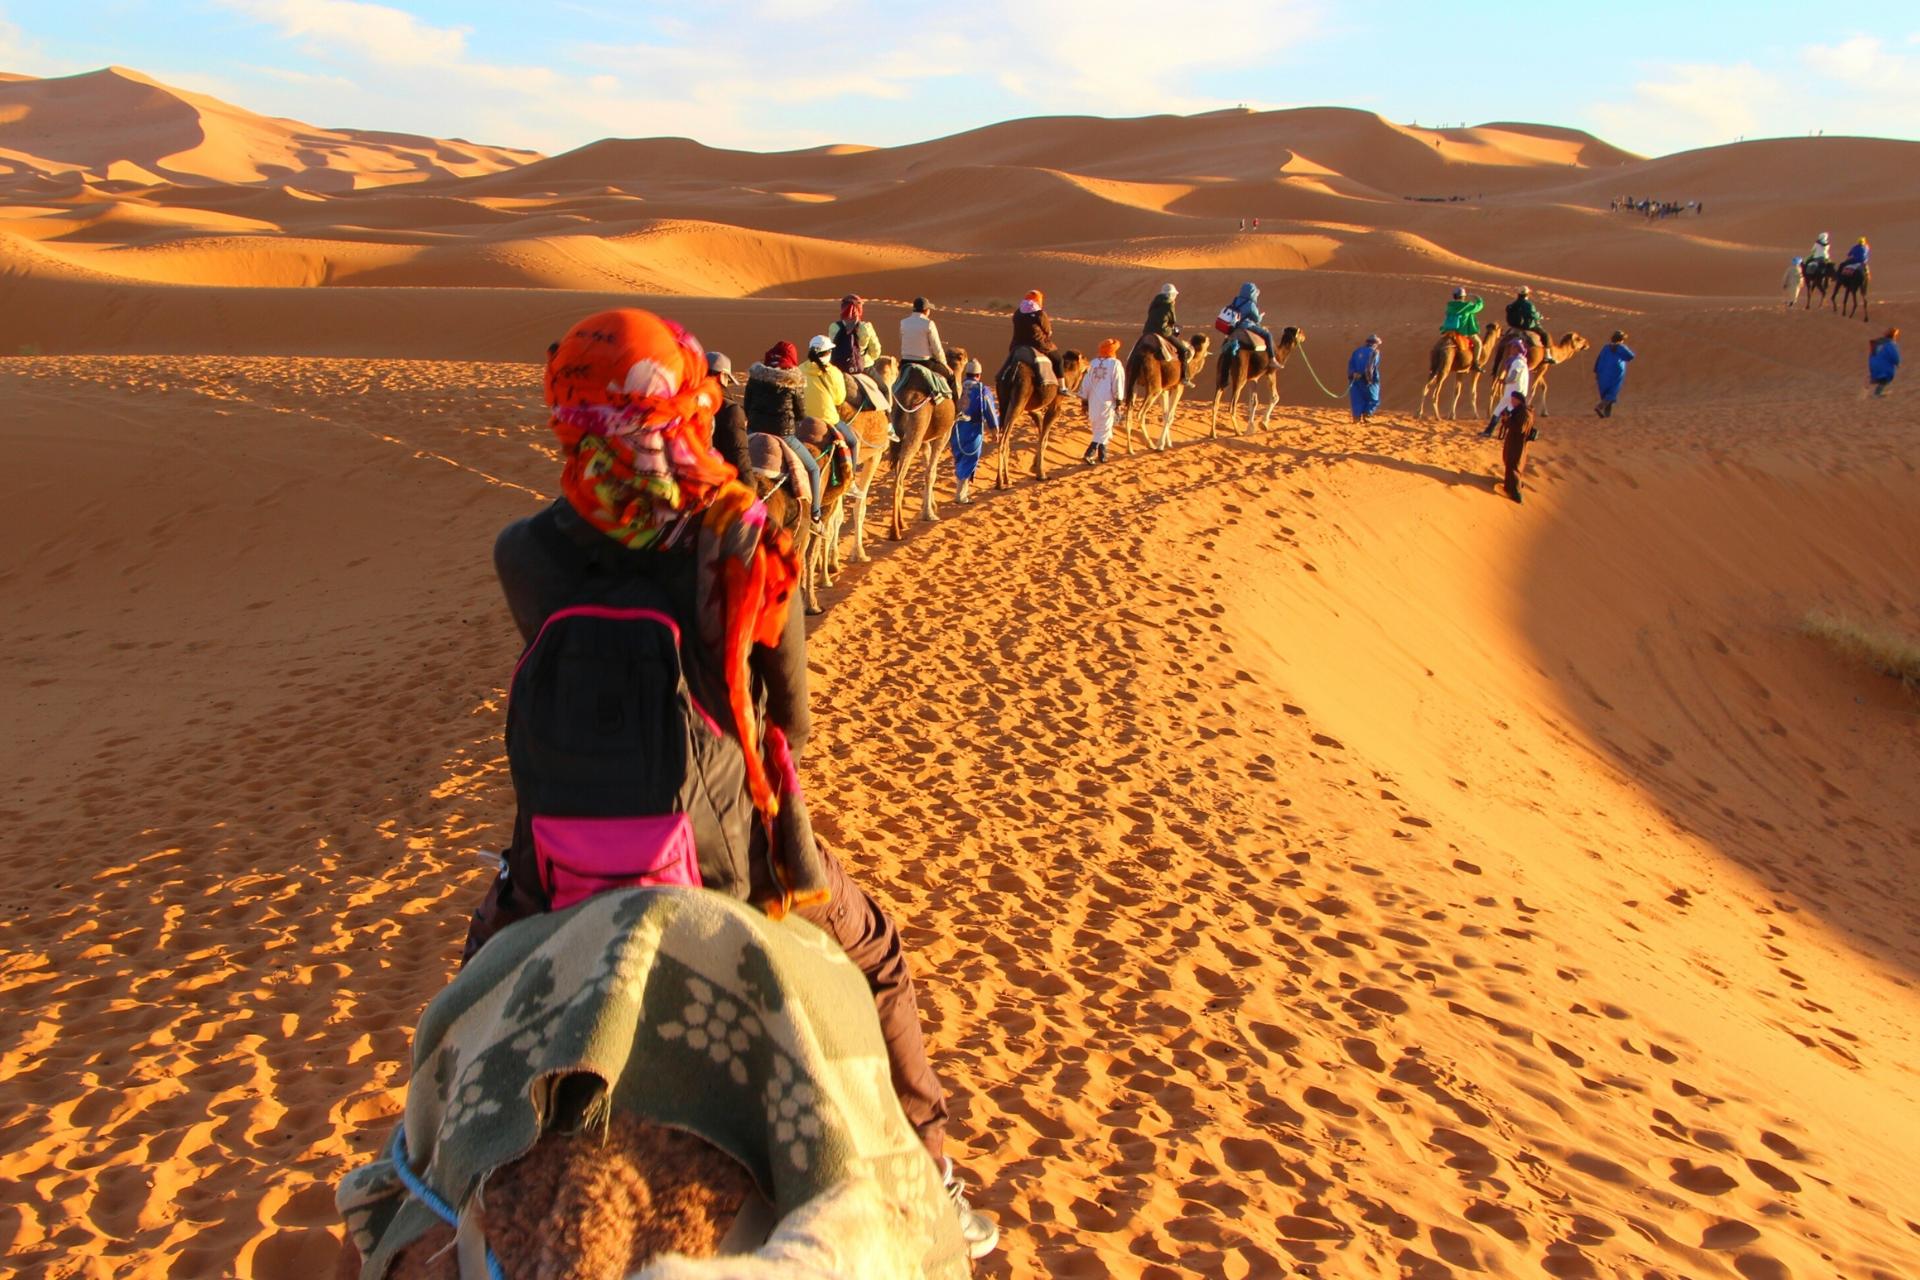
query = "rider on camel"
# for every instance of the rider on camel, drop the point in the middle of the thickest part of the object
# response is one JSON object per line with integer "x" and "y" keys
{"x": 1524, "y": 317}
{"x": 855, "y": 345}
{"x": 1161, "y": 320}
{"x": 920, "y": 342}
{"x": 1463, "y": 317}
{"x": 1245, "y": 308}
{"x": 1819, "y": 254}
{"x": 1031, "y": 328}
{"x": 1857, "y": 256}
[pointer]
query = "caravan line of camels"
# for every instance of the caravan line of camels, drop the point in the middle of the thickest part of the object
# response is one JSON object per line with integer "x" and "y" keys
{"x": 914, "y": 430}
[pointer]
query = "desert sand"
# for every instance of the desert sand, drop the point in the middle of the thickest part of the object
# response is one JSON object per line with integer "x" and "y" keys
{"x": 1314, "y": 861}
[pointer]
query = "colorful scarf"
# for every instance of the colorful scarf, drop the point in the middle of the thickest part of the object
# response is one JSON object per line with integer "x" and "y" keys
{"x": 1033, "y": 301}
{"x": 1109, "y": 347}
{"x": 633, "y": 404}
{"x": 852, "y": 309}
{"x": 781, "y": 355}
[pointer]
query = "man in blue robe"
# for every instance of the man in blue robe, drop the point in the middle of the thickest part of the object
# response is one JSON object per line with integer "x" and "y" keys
{"x": 1363, "y": 378}
{"x": 1610, "y": 370}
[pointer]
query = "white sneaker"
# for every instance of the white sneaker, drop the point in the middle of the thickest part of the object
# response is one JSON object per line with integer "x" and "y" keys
{"x": 980, "y": 1232}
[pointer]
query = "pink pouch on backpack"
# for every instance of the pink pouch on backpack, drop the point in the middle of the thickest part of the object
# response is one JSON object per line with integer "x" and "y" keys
{"x": 579, "y": 857}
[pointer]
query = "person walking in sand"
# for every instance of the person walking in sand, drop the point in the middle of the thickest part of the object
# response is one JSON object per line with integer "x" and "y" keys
{"x": 1102, "y": 387}
{"x": 979, "y": 413}
{"x": 1516, "y": 433}
{"x": 1515, "y": 377}
{"x": 1363, "y": 379}
{"x": 1791, "y": 282}
{"x": 1610, "y": 371}
{"x": 1883, "y": 361}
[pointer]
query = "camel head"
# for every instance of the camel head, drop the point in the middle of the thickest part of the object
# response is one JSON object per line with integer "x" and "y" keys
{"x": 1073, "y": 367}
{"x": 1292, "y": 336}
{"x": 886, "y": 369}
{"x": 1574, "y": 342}
{"x": 957, "y": 361}
{"x": 1200, "y": 344}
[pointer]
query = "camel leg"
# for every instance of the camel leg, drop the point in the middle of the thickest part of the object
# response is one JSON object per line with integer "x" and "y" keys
{"x": 1172, "y": 397}
{"x": 1040, "y": 447}
{"x": 1000, "y": 479}
{"x": 1273, "y": 402}
{"x": 862, "y": 490}
{"x": 1130, "y": 415}
{"x": 933, "y": 470}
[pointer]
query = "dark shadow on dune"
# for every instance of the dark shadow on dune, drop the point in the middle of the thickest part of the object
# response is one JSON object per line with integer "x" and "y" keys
{"x": 1668, "y": 609}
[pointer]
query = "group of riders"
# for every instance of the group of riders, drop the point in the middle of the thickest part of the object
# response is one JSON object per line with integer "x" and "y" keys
{"x": 1818, "y": 268}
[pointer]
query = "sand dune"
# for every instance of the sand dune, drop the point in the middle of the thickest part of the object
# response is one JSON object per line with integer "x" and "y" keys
{"x": 1316, "y": 864}
{"x": 118, "y": 127}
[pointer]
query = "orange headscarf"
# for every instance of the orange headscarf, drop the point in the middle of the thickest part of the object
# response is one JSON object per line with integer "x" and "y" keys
{"x": 1037, "y": 298}
{"x": 633, "y": 404}
{"x": 1109, "y": 346}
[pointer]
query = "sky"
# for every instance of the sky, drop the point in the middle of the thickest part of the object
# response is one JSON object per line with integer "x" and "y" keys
{"x": 1654, "y": 76}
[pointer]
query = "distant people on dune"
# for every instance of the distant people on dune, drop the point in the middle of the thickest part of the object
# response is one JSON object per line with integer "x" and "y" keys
{"x": 1652, "y": 209}
{"x": 1793, "y": 279}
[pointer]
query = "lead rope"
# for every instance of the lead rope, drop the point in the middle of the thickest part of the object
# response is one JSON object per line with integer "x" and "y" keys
{"x": 426, "y": 1195}
{"x": 1331, "y": 395}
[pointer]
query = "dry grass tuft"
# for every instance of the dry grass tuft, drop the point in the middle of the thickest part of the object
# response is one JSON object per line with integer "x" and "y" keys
{"x": 1888, "y": 652}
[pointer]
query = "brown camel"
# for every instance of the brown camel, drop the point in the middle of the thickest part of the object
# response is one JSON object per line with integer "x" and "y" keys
{"x": 786, "y": 511}
{"x": 1241, "y": 367}
{"x": 1564, "y": 349}
{"x": 592, "y": 1207}
{"x": 1449, "y": 361}
{"x": 1154, "y": 379}
{"x": 870, "y": 427}
{"x": 923, "y": 426}
{"x": 1022, "y": 392}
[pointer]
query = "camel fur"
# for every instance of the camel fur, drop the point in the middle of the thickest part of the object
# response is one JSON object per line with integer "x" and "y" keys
{"x": 1022, "y": 393}
{"x": 870, "y": 427}
{"x": 1239, "y": 369}
{"x": 1447, "y": 361}
{"x": 591, "y": 1206}
{"x": 1564, "y": 348}
{"x": 924, "y": 427}
{"x": 1154, "y": 381}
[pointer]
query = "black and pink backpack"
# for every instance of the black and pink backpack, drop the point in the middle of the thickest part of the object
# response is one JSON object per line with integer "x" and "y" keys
{"x": 623, "y": 775}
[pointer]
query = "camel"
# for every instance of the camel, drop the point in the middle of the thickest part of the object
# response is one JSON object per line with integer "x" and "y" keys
{"x": 1152, "y": 378}
{"x": 810, "y": 543}
{"x": 592, "y": 1207}
{"x": 1817, "y": 275}
{"x": 1564, "y": 349}
{"x": 870, "y": 427}
{"x": 1854, "y": 285}
{"x": 923, "y": 427}
{"x": 1449, "y": 361}
{"x": 1241, "y": 367}
{"x": 1021, "y": 393}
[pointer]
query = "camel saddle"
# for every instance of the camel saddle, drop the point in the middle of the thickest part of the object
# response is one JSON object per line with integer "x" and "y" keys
{"x": 772, "y": 460}
{"x": 1464, "y": 343}
{"x": 1041, "y": 366}
{"x": 1163, "y": 348}
{"x": 1248, "y": 339}
{"x": 864, "y": 392}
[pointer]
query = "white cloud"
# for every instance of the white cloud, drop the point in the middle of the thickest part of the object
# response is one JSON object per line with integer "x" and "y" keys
{"x": 1860, "y": 85}
{"x": 780, "y": 73}
{"x": 26, "y": 57}
{"x": 1691, "y": 106}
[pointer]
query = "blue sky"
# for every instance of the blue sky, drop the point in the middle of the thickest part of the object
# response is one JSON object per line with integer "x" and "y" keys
{"x": 770, "y": 74}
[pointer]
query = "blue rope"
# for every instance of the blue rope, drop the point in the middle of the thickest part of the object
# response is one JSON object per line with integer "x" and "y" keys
{"x": 426, "y": 1195}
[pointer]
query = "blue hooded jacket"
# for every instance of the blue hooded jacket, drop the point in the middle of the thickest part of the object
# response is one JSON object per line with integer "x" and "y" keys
{"x": 1246, "y": 303}
{"x": 1885, "y": 360}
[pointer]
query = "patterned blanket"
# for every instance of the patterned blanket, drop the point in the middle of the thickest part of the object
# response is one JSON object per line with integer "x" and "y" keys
{"x": 679, "y": 1006}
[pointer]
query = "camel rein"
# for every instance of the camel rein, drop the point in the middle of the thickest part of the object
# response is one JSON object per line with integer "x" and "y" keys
{"x": 402, "y": 1165}
{"x": 1331, "y": 395}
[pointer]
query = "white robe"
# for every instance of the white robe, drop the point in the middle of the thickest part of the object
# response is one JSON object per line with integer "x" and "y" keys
{"x": 1518, "y": 379}
{"x": 1103, "y": 388}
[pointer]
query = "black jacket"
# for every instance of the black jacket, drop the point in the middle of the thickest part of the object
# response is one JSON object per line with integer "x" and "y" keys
{"x": 1160, "y": 317}
{"x": 774, "y": 400}
{"x": 730, "y": 439}
{"x": 1522, "y": 314}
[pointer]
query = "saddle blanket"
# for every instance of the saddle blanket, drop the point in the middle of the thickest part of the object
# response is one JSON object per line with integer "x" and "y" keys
{"x": 677, "y": 1006}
